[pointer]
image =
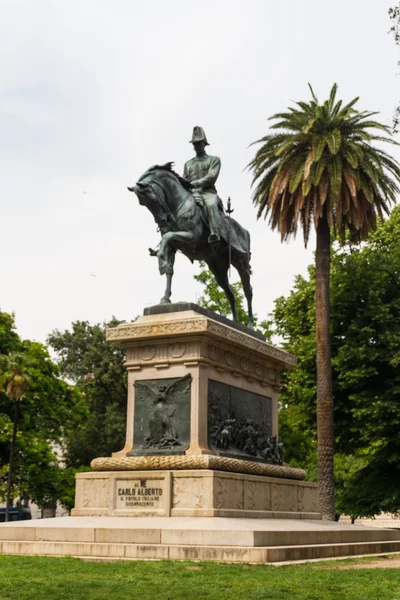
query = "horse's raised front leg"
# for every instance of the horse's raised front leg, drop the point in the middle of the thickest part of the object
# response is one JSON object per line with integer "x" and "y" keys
{"x": 166, "y": 258}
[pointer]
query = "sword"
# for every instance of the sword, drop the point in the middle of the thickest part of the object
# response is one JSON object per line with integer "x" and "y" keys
{"x": 229, "y": 211}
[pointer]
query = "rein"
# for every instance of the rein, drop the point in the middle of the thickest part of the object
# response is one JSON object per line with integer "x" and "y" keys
{"x": 171, "y": 214}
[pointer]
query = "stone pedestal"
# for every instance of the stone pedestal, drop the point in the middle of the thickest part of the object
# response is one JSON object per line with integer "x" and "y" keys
{"x": 215, "y": 354}
{"x": 202, "y": 410}
{"x": 193, "y": 493}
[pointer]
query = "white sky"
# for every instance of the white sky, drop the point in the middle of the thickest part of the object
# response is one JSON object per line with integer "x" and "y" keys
{"x": 93, "y": 92}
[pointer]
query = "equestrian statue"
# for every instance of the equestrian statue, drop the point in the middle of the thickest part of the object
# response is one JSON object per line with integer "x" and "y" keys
{"x": 191, "y": 218}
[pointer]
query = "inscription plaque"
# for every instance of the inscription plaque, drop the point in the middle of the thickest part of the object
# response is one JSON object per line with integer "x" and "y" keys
{"x": 140, "y": 494}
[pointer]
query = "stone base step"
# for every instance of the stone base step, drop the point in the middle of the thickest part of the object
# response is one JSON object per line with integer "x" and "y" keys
{"x": 213, "y": 532}
{"x": 247, "y": 554}
{"x": 324, "y": 551}
{"x": 217, "y": 539}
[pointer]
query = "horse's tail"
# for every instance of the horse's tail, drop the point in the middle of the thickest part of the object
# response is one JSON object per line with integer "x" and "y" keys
{"x": 241, "y": 254}
{"x": 249, "y": 251}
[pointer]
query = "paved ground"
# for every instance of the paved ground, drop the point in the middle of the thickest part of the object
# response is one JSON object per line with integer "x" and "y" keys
{"x": 380, "y": 563}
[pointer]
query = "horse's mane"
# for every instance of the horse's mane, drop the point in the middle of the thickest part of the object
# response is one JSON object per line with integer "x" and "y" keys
{"x": 168, "y": 167}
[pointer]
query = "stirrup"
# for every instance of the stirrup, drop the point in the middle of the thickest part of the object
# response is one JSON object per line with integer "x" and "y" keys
{"x": 213, "y": 238}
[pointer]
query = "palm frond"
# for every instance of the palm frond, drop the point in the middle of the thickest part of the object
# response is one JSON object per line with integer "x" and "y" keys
{"x": 312, "y": 94}
{"x": 318, "y": 162}
{"x": 332, "y": 97}
{"x": 334, "y": 140}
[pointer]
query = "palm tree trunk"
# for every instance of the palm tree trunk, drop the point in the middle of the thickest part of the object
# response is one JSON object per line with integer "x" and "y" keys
{"x": 12, "y": 451}
{"x": 324, "y": 374}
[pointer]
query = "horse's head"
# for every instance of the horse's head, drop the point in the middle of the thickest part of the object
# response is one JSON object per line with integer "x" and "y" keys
{"x": 153, "y": 191}
{"x": 150, "y": 193}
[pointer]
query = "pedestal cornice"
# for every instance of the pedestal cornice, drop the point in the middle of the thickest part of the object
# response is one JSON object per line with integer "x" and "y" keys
{"x": 189, "y": 323}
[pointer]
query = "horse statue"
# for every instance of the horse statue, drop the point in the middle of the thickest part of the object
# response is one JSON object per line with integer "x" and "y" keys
{"x": 183, "y": 227}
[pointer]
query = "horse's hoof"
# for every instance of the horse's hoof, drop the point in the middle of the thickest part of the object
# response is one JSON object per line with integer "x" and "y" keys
{"x": 250, "y": 325}
{"x": 165, "y": 301}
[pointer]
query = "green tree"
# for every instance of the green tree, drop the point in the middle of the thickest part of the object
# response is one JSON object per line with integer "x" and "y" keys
{"x": 50, "y": 407}
{"x": 97, "y": 368}
{"x": 322, "y": 169}
{"x": 15, "y": 380}
{"x": 347, "y": 467}
{"x": 213, "y": 298}
{"x": 40, "y": 478}
{"x": 394, "y": 14}
{"x": 9, "y": 339}
{"x": 47, "y": 481}
{"x": 365, "y": 299}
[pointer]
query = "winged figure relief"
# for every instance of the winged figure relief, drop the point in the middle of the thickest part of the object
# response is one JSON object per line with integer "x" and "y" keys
{"x": 162, "y": 401}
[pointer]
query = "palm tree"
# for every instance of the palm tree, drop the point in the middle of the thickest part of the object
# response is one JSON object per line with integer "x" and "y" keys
{"x": 14, "y": 381}
{"x": 321, "y": 167}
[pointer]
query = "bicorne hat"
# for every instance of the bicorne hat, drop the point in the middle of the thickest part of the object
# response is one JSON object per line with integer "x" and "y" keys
{"x": 198, "y": 135}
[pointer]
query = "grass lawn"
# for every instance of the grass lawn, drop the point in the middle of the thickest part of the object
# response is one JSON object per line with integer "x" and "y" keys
{"x": 41, "y": 578}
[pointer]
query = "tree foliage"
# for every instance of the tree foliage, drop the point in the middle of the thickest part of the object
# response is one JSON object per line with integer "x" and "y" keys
{"x": 97, "y": 369}
{"x": 9, "y": 339}
{"x": 323, "y": 164}
{"x": 213, "y": 298}
{"x": 394, "y": 14}
{"x": 49, "y": 407}
{"x": 365, "y": 299}
{"x": 15, "y": 380}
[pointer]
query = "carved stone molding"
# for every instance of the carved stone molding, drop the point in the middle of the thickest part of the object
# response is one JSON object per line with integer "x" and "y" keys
{"x": 124, "y": 333}
{"x": 200, "y": 325}
{"x": 218, "y": 355}
{"x": 160, "y": 352}
{"x": 147, "y": 352}
{"x": 228, "y": 493}
{"x": 233, "y": 360}
{"x": 177, "y": 349}
{"x": 217, "y": 463}
{"x": 191, "y": 491}
{"x": 229, "y": 358}
{"x": 252, "y": 343}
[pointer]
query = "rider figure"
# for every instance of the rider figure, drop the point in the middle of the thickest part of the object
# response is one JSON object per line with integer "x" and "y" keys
{"x": 202, "y": 172}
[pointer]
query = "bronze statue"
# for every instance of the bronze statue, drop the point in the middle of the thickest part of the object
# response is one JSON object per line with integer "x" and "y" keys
{"x": 191, "y": 219}
{"x": 202, "y": 172}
